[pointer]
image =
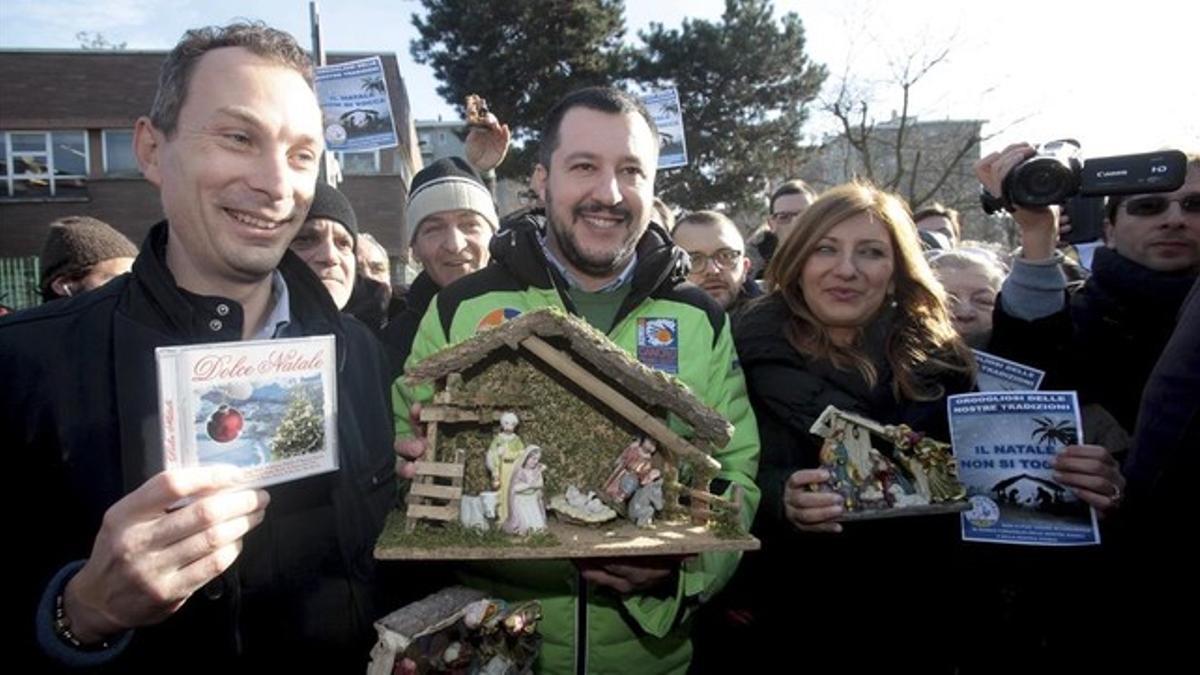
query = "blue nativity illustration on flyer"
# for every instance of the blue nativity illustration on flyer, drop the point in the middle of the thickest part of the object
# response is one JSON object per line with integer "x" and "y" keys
{"x": 355, "y": 105}
{"x": 1005, "y": 443}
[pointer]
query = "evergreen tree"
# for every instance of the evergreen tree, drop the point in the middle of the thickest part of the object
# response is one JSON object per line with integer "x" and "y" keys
{"x": 302, "y": 430}
{"x": 520, "y": 56}
{"x": 745, "y": 85}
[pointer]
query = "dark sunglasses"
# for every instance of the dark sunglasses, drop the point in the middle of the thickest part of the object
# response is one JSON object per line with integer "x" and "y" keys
{"x": 1153, "y": 205}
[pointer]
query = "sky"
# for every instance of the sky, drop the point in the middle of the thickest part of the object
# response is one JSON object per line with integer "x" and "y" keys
{"x": 1117, "y": 76}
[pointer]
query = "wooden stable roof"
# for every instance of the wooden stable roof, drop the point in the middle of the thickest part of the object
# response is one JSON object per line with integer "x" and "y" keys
{"x": 652, "y": 387}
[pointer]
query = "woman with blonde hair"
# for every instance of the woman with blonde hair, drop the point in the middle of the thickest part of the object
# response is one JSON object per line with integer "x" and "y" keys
{"x": 853, "y": 318}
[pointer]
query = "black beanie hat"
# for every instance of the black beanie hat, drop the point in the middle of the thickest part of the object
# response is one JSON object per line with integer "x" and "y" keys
{"x": 330, "y": 203}
{"x": 75, "y": 243}
{"x": 446, "y": 185}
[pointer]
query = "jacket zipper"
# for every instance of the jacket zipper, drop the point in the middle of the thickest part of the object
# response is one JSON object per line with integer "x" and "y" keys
{"x": 581, "y": 627}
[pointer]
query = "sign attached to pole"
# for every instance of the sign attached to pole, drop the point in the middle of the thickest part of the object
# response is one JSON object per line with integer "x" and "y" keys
{"x": 663, "y": 106}
{"x": 356, "y": 107}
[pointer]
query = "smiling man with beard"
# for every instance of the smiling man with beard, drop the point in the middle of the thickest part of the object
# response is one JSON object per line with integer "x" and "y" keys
{"x": 126, "y": 565}
{"x": 596, "y": 253}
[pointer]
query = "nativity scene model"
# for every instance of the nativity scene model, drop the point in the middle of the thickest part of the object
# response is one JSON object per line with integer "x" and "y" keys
{"x": 546, "y": 440}
{"x": 916, "y": 475}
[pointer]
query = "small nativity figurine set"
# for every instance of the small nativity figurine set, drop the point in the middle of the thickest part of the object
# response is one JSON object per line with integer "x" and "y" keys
{"x": 458, "y": 631}
{"x": 546, "y": 440}
{"x": 916, "y": 476}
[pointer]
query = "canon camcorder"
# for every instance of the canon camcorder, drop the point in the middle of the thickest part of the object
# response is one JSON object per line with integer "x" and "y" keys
{"x": 1057, "y": 173}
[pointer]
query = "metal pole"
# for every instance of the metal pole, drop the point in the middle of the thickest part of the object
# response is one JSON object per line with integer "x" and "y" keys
{"x": 327, "y": 172}
{"x": 314, "y": 17}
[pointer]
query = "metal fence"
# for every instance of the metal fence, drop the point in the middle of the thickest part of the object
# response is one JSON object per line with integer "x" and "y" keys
{"x": 18, "y": 282}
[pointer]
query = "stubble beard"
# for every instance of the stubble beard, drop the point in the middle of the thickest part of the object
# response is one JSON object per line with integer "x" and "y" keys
{"x": 596, "y": 265}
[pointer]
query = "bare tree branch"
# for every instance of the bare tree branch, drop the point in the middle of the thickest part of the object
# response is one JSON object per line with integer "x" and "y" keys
{"x": 948, "y": 168}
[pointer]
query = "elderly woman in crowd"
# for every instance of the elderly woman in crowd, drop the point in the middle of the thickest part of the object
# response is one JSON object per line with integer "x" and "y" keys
{"x": 971, "y": 278}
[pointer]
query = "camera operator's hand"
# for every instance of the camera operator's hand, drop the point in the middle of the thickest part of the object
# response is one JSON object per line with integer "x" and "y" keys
{"x": 1039, "y": 226}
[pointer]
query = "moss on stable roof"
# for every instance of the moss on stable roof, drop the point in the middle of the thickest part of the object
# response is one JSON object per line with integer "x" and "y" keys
{"x": 653, "y": 387}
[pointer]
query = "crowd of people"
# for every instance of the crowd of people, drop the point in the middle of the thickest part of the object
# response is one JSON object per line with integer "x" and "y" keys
{"x": 844, "y": 297}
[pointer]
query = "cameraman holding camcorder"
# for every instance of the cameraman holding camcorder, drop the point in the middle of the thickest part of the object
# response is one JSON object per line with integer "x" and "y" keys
{"x": 1105, "y": 338}
{"x": 1101, "y": 338}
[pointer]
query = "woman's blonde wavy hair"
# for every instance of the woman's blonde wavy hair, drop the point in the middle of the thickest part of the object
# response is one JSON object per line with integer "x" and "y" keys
{"x": 920, "y": 343}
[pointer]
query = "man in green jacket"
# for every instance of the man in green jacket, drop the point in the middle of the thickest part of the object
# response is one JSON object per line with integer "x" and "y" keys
{"x": 596, "y": 254}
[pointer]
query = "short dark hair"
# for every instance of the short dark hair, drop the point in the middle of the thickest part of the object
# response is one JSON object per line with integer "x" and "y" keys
{"x": 255, "y": 36}
{"x": 937, "y": 209}
{"x": 792, "y": 187}
{"x": 602, "y": 99}
{"x": 705, "y": 219}
{"x": 710, "y": 219}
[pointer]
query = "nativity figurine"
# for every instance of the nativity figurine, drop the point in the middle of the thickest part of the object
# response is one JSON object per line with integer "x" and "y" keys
{"x": 501, "y": 459}
{"x": 633, "y": 469}
{"x": 526, "y": 510}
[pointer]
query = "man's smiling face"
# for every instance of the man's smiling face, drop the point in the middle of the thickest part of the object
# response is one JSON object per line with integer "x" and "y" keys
{"x": 238, "y": 172}
{"x": 598, "y": 190}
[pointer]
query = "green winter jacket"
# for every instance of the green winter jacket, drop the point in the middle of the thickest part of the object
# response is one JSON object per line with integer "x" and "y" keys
{"x": 638, "y": 633}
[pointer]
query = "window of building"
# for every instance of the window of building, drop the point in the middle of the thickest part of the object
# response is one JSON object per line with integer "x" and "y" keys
{"x": 118, "y": 153}
{"x": 359, "y": 163}
{"x": 43, "y": 164}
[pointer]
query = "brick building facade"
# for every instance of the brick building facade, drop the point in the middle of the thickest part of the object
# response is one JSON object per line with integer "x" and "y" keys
{"x": 66, "y": 122}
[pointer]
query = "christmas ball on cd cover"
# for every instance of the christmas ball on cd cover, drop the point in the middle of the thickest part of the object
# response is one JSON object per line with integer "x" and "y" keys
{"x": 225, "y": 424}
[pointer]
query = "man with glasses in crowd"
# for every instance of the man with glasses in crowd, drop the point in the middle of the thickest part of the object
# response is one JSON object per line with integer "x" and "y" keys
{"x": 718, "y": 257}
{"x": 787, "y": 203}
{"x": 1106, "y": 337}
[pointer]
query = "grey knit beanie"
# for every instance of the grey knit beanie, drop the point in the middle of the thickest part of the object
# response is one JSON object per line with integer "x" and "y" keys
{"x": 446, "y": 185}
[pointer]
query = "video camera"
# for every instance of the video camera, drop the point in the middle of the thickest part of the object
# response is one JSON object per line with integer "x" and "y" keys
{"x": 1057, "y": 173}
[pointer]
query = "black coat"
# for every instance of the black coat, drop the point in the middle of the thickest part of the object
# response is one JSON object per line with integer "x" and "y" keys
{"x": 1106, "y": 340}
{"x": 372, "y": 303}
{"x": 80, "y": 407}
{"x": 789, "y": 392}
{"x": 400, "y": 332}
{"x": 834, "y": 589}
{"x": 1158, "y": 559}
{"x": 1162, "y": 467}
